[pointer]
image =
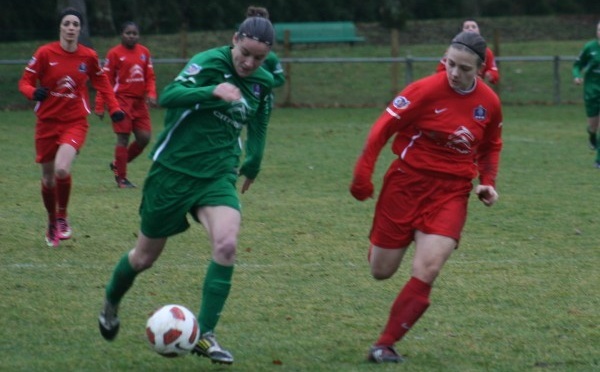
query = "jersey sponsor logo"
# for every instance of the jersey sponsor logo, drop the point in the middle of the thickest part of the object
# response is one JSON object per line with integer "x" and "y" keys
{"x": 236, "y": 115}
{"x": 121, "y": 59}
{"x": 401, "y": 102}
{"x": 193, "y": 69}
{"x": 226, "y": 76}
{"x": 65, "y": 88}
{"x": 461, "y": 140}
{"x": 479, "y": 113}
{"x": 136, "y": 74}
{"x": 439, "y": 111}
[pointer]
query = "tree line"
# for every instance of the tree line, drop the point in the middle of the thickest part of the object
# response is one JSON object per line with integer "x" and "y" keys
{"x": 37, "y": 19}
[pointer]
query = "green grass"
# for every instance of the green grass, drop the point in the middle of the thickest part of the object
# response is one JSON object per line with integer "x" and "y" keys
{"x": 521, "y": 293}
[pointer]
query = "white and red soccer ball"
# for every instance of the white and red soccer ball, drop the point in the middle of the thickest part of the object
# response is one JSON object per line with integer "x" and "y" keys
{"x": 172, "y": 330}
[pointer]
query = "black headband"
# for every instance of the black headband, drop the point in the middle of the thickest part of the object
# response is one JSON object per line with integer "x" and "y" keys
{"x": 244, "y": 34}
{"x": 481, "y": 56}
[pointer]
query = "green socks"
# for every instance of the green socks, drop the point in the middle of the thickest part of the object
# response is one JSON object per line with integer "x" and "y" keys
{"x": 217, "y": 284}
{"x": 121, "y": 281}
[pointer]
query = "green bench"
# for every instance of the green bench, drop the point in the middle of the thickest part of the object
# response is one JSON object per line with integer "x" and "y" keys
{"x": 316, "y": 32}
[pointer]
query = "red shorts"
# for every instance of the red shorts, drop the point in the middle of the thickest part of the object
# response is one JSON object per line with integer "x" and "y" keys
{"x": 137, "y": 116}
{"x": 49, "y": 135}
{"x": 410, "y": 201}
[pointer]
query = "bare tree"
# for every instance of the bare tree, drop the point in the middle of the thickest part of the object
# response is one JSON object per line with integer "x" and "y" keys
{"x": 103, "y": 17}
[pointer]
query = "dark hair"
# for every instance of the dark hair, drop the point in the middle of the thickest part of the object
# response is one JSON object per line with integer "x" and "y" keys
{"x": 257, "y": 11}
{"x": 70, "y": 11}
{"x": 471, "y": 41}
{"x": 257, "y": 28}
{"x": 126, "y": 24}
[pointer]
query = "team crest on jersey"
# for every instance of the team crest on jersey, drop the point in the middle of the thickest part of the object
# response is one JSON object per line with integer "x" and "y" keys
{"x": 479, "y": 113}
{"x": 256, "y": 90}
{"x": 143, "y": 57}
{"x": 401, "y": 102}
{"x": 193, "y": 69}
{"x": 82, "y": 67}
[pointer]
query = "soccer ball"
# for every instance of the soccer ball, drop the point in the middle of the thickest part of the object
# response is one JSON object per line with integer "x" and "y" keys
{"x": 172, "y": 330}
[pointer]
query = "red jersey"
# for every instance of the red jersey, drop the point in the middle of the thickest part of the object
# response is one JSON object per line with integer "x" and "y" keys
{"x": 490, "y": 67}
{"x": 130, "y": 72}
{"x": 65, "y": 74}
{"x": 440, "y": 131}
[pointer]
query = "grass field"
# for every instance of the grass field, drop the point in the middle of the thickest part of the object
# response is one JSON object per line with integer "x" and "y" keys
{"x": 520, "y": 294}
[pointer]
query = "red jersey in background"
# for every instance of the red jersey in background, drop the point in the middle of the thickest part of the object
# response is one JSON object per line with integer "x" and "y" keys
{"x": 130, "y": 72}
{"x": 65, "y": 74}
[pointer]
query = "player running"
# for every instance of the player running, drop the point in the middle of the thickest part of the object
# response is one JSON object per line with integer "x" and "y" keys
{"x": 63, "y": 69}
{"x": 586, "y": 70}
{"x": 447, "y": 131}
{"x": 195, "y": 170}
{"x": 130, "y": 71}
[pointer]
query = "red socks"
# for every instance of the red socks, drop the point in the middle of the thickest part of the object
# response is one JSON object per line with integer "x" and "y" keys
{"x": 56, "y": 199}
{"x": 121, "y": 161}
{"x": 49, "y": 199}
{"x": 124, "y": 155}
{"x": 63, "y": 191}
{"x": 133, "y": 151}
{"x": 411, "y": 303}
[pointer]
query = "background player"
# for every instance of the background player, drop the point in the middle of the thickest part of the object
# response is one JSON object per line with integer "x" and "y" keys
{"x": 586, "y": 70}
{"x": 63, "y": 69}
{"x": 130, "y": 71}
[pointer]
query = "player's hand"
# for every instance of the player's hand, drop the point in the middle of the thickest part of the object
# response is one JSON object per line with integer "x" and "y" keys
{"x": 40, "y": 94}
{"x": 487, "y": 194}
{"x": 117, "y": 116}
{"x": 227, "y": 92}
{"x": 361, "y": 190}
{"x": 246, "y": 185}
{"x": 152, "y": 102}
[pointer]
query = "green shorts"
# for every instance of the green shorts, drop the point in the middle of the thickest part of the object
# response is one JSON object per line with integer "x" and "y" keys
{"x": 168, "y": 197}
{"x": 591, "y": 100}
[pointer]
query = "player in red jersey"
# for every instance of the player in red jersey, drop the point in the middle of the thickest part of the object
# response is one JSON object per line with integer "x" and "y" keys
{"x": 130, "y": 71}
{"x": 447, "y": 130}
{"x": 62, "y": 69}
{"x": 490, "y": 69}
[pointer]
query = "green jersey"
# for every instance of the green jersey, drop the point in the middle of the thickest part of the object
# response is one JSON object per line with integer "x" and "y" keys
{"x": 589, "y": 61}
{"x": 273, "y": 65}
{"x": 202, "y": 133}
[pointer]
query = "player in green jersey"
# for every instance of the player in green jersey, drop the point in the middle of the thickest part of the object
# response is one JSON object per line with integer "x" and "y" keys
{"x": 586, "y": 70}
{"x": 196, "y": 164}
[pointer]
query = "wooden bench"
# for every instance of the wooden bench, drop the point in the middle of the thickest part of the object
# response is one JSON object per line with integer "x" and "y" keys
{"x": 316, "y": 32}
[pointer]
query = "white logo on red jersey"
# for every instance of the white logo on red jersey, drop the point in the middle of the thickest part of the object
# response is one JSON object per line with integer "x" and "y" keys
{"x": 461, "y": 140}
{"x": 65, "y": 87}
{"x": 136, "y": 74}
